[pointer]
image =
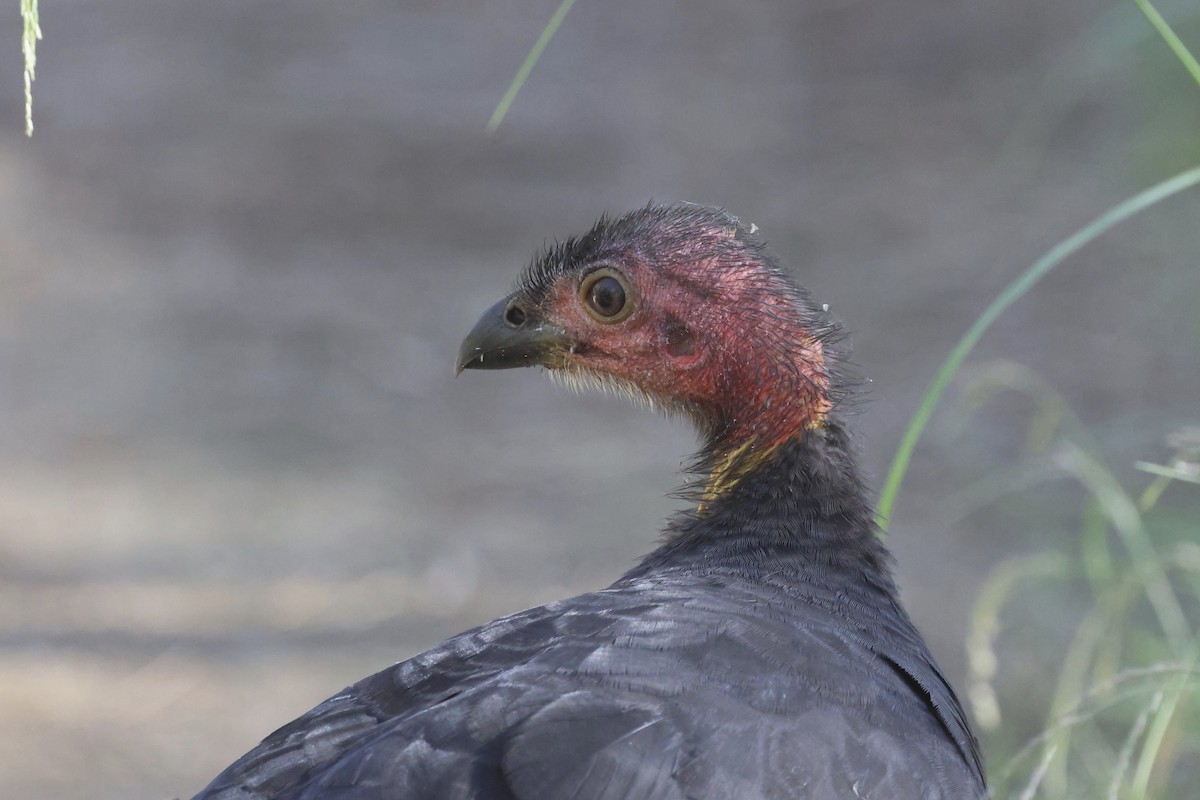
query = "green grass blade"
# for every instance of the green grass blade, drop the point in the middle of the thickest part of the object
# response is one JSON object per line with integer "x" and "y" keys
{"x": 1123, "y": 512}
{"x": 1172, "y": 473}
{"x": 29, "y": 39}
{"x": 1164, "y": 713}
{"x": 1125, "y": 754}
{"x": 519, "y": 79}
{"x": 982, "y": 657}
{"x": 1017, "y": 289}
{"x": 1173, "y": 41}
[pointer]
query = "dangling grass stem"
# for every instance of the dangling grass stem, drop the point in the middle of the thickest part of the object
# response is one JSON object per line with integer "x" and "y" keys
{"x": 1016, "y": 290}
{"x": 31, "y": 33}
{"x": 1173, "y": 41}
{"x": 519, "y": 79}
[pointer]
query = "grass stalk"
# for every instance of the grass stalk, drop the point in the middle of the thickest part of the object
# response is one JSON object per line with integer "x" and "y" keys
{"x": 1017, "y": 289}
{"x": 31, "y": 33}
{"x": 1127, "y": 520}
{"x": 527, "y": 66}
{"x": 1169, "y": 36}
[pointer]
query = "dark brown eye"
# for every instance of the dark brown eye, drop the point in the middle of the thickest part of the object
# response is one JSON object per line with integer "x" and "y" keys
{"x": 606, "y": 295}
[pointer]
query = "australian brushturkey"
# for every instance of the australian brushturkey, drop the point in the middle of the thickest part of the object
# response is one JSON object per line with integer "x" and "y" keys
{"x": 760, "y": 652}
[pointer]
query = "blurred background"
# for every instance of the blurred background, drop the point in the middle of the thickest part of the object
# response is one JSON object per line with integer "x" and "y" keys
{"x": 236, "y": 472}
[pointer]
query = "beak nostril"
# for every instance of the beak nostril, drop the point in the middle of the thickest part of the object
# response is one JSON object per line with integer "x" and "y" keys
{"x": 514, "y": 315}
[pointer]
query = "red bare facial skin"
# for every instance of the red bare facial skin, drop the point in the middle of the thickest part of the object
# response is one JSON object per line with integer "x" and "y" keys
{"x": 719, "y": 336}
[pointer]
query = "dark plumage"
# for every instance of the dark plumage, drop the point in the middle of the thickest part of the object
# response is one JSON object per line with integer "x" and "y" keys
{"x": 760, "y": 652}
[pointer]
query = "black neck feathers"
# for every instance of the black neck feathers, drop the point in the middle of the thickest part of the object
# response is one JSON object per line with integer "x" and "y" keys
{"x": 802, "y": 508}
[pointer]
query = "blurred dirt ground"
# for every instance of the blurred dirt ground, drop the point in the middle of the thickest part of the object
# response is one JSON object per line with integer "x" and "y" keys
{"x": 236, "y": 473}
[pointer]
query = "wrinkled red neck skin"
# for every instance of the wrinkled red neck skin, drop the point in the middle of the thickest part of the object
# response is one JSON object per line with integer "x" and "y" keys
{"x": 762, "y": 383}
{"x": 763, "y": 414}
{"x": 752, "y": 375}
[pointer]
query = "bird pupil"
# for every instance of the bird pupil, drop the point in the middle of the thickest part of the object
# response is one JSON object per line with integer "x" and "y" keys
{"x": 608, "y": 297}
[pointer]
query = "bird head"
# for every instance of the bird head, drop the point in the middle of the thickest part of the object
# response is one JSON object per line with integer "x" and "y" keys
{"x": 679, "y": 305}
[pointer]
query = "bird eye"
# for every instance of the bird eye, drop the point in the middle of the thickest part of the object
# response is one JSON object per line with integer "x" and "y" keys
{"x": 606, "y": 295}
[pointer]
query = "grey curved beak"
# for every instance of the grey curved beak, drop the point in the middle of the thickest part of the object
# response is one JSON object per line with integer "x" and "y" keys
{"x": 506, "y": 337}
